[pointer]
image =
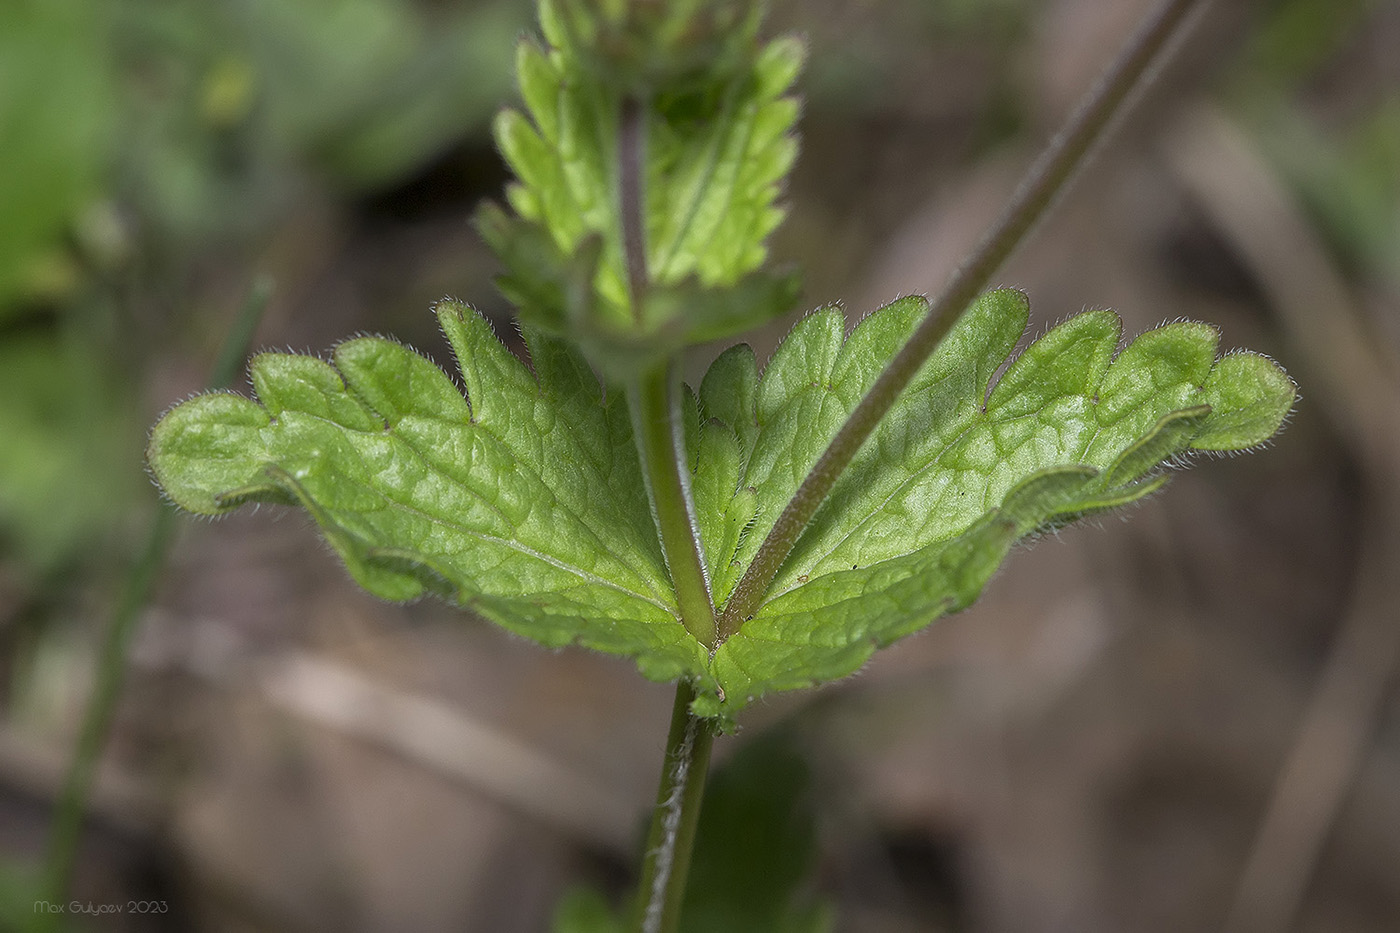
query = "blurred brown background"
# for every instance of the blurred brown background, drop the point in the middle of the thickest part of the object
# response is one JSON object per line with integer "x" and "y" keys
{"x": 1186, "y": 720}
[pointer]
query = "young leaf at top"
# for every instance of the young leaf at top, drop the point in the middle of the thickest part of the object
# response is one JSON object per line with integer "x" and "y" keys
{"x": 715, "y": 139}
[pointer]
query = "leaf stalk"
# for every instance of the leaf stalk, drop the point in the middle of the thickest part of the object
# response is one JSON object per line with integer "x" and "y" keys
{"x": 631, "y": 162}
{"x": 654, "y": 399}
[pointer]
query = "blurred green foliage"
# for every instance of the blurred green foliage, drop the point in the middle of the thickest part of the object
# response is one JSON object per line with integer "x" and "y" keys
{"x": 61, "y": 479}
{"x": 229, "y": 104}
{"x": 133, "y": 135}
{"x": 1339, "y": 150}
{"x": 19, "y": 892}
{"x": 55, "y": 122}
{"x": 757, "y": 847}
{"x": 1348, "y": 180}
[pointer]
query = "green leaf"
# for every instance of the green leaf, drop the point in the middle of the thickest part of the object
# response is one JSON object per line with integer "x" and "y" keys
{"x": 523, "y": 499}
{"x": 1250, "y": 396}
{"x": 717, "y": 141}
{"x": 724, "y": 509}
{"x": 520, "y": 500}
{"x": 957, "y": 472}
{"x": 640, "y": 47}
{"x": 715, "y": 167}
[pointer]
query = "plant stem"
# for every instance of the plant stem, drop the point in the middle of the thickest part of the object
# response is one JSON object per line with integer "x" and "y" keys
{"x": 672, "y": 834}
{"x": 1045, "y": 180}
{"x": 111, "y": 660}
{"x": 654, "y": 401}
{"x": 631, "y": 164}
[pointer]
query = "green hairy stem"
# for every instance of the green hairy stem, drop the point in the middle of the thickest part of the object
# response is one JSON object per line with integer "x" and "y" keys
{"x": 666, "y": 855}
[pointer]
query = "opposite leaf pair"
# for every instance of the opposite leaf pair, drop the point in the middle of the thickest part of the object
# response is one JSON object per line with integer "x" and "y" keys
{"x": 524, "y": 500}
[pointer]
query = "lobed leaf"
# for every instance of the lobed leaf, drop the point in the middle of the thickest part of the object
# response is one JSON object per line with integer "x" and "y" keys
{"x": 523, "y": 499}
{"x": 959, "y": 470}
{"x": 520, "y": 500}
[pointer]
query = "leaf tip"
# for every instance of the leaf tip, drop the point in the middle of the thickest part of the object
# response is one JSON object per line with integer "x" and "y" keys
{"x": 1251, "y": 398}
